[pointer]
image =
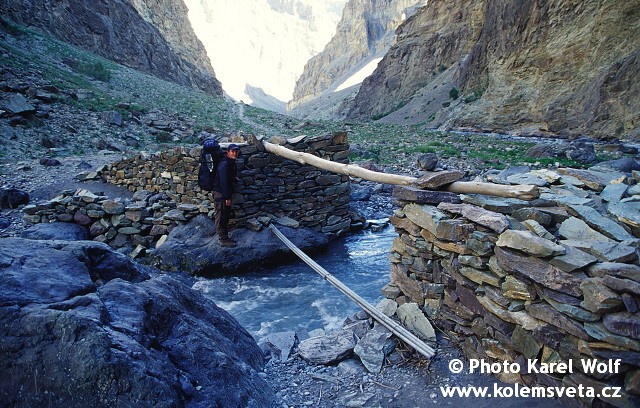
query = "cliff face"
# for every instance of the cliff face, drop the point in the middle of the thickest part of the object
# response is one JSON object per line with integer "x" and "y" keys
{"x": 154, "y": 37}
{"x": 365, "y": 31}
{"x": 529, "y": 67}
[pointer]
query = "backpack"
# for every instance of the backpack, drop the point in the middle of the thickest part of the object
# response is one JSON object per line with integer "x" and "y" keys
{"x": 209, "y": 159}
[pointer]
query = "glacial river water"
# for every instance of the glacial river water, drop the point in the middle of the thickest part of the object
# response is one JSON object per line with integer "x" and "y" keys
{"x": 295, "y": 297}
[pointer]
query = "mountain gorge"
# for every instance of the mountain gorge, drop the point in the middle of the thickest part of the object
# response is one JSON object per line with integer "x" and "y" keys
{"x": 561, "y": 67}
{"x": 564, "y": 67}
{"x": 363, "y": 36}
{"x": 153, "y": 37}
{"x": 259, "y": 48}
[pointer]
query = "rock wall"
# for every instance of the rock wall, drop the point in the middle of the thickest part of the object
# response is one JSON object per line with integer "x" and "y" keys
{"x": 554, "y": 280}
{"x": 154, "y": 37}
{"x": 519, "y": 66}
{"x": 270, "y": 188}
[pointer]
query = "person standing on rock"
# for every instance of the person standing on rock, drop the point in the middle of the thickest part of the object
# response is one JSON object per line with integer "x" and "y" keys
{"x": 222, "y": 193}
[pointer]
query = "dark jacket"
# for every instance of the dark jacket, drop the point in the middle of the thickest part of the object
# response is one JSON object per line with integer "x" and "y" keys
{"x": 225, "y": 177}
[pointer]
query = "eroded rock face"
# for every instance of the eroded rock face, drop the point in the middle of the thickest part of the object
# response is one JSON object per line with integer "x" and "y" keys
{"x": 154, "y": 37}
{"x": 527, "y": 67}
{"x": 85, "y": 326}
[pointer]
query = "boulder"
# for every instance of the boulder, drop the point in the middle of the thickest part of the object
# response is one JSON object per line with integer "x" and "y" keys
{"x": 623, "y": 164}
{"x": 539, "y": 271}
{"x": 328, "y": 349}
{"x": 278, "y": 345}
{"x": 374, "y": 347}
{"x": 194, "y": 248}
{"x": 490, "y": 219}
{"x": 531, "y": 244}
{"x": 86, "y": 326}
{"x": 413, "y": 319}
{"x": 582, "y": 152}
{"x": 49, "y": 162}
{"x": 12, "y": 197}
{"x": 427, "y": 162}
{"x": 19, "y": 105}
{"x": 602, "y": 224}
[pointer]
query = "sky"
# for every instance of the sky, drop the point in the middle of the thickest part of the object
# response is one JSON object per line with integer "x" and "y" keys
{"x": 263, "y": 43}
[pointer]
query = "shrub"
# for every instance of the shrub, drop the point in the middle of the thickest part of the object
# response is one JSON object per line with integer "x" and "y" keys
{"x": 477, "y": 94}
{"x": 163, "y": 137}
{"x": 454, "y": 93}
{"x": 96, "y": 70}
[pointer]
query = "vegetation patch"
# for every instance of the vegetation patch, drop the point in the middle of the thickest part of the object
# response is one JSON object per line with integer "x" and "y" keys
{"x": 475, "y": 95}
{"x": 96, "y": 70}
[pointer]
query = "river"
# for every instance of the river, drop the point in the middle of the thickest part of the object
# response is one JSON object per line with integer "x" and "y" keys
{"x": 294, "y": 297}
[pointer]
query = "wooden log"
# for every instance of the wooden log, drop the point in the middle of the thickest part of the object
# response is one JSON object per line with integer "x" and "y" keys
{"x": 521, "y": 191}
{"x": 524, "y": 191}
{"x": 335, "y": 167}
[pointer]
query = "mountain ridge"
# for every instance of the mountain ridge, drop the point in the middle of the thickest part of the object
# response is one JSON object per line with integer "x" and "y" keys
{"x": 155, "y": 38}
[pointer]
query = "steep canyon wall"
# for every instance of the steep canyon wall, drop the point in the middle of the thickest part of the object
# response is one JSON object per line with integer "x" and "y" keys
{"x": 153, "y": 37}
{"x": 561, "y": 67}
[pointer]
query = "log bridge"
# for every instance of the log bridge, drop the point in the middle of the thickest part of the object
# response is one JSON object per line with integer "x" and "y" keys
{"x": 444, "y": 180}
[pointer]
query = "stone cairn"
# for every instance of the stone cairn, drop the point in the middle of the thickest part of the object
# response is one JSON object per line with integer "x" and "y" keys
{"x": 554, "y": 279}
{"x": 270, "y": 189}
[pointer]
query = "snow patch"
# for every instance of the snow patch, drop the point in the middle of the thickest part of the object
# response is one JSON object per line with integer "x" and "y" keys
{"x": 359, "y": 76}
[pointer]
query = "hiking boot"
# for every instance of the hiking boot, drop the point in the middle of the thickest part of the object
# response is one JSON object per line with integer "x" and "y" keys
{"x": 227, "y": 242}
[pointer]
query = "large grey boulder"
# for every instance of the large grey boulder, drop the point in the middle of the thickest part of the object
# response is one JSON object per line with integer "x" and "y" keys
{"x": 19, "y": 105}
{"x": 195, "y": 248}
{"x": 85, "y": 326}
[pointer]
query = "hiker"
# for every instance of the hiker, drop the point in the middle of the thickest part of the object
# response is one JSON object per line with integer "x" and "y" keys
{"x": 222, "y": 193}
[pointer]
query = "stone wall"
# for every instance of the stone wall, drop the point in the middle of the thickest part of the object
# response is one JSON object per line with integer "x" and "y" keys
{"x": 553, "y": 280}
{"x": 270, "y": 189}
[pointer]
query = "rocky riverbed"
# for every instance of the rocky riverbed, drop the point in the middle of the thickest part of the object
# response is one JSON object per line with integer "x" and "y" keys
{"x": 405, "y": 380}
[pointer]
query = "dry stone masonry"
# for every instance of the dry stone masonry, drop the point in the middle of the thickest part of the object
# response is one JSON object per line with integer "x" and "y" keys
{"x": 166, "y": 194}
{"x": 554, "y": 280}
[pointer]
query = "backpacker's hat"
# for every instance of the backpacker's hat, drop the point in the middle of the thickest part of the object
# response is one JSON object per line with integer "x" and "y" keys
{"x": 233, "y": 146}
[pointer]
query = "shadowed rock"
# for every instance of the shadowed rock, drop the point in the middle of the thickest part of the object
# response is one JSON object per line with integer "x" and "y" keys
{"x": 56, "y": 230}
{"x": 328, "y": 349}
{"x": 86, "y": 326}
{"x": 12, "y": 198}
{"x": 195, "y": 248}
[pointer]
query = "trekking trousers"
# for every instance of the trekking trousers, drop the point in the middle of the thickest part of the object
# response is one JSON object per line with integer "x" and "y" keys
{"x": 222, "y": 216}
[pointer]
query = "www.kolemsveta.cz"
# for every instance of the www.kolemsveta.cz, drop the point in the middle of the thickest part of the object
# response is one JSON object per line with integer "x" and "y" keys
{"x": 521, "y": 391}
